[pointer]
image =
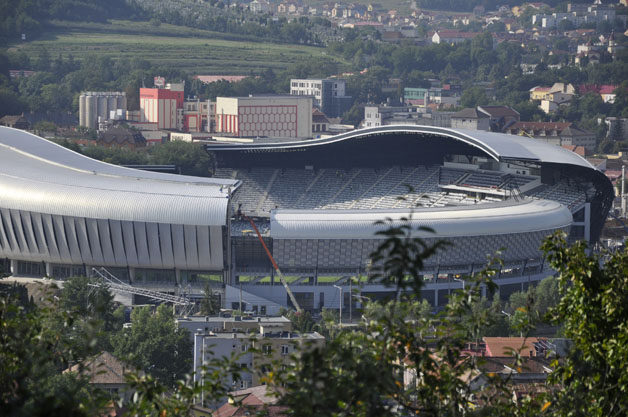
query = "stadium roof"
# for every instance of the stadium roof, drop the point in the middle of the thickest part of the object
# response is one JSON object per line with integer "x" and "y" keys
{"x": 489, "y": 219}
{"x": 40, "y": 176}
{"x": 499, "y": 146}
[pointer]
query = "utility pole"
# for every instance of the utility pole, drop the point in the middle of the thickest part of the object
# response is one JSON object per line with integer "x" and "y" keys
{"x": 623, "y": 191}
{"x": 350, "y": 300}
{"x": 340, "y": 302}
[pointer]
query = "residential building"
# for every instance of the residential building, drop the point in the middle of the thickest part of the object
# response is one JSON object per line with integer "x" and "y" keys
{"x": 217, "y": 324}
{"x": 258, "y": 400}
{"x": 552, "y": 97}
{"x": 95, "y": 107}
{"x": 554, "y": 133}
{"x": 500, "y": 116}
{"x": 122, "y": 137}
{"x": 257, "y": 351}
{"x": 106, "y": 373}
{"x": 450, "y": 36}
{"x": 606, "y": 91}
{"x": 594, "y": 13}
{"x": 404, "y": 115}
{"x": 320, "y": 123}
{"x": 15, "y": 121}
{"x": 617, "y": 128}
{"x": 328, "y": 94}
{"x": 471, "y": 119}
{"x": 257, "y": 6}
{"x": 265, "y": 116}
{"x": 448, "y": 95}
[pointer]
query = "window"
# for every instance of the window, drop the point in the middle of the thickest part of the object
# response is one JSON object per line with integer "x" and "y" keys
{"x": 267, "y": 349}
{"x": 243, "y": 384}
{"x": 285, "y": 349}
{"x": 244, "y": 347}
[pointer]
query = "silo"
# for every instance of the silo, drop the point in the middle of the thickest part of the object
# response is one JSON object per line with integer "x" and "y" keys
{"x": 102, "y": 108}
{"x": 91, "y": 101}
{"x": 122, "y": 102}
{"x": 82, "y": 109}
{"x": 112, "y": 104}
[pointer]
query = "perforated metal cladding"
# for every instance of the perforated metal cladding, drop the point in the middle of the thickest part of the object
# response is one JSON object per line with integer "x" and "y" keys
{"x": 346, "y": 253}
{"x": 40, "y": 237}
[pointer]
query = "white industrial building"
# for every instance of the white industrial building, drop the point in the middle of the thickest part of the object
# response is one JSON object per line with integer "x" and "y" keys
{"x": 99, "y": 107}
{"x": 265, "y": 116}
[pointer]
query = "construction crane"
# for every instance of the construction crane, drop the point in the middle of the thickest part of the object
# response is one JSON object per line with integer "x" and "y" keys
{"x": 114, "y": 284}
{"x": 272, "y": 261}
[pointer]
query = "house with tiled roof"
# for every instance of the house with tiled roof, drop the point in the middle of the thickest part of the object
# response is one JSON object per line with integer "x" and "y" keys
{"x": 15, "y": 121}
{"x": 470, "y": 118}
{"x": 555, "y": 133}
{"x": 105, "y": 372}
{"x": 606, "y": 91}
{"x": 251, "y": 401}
{"x": 320, "y": 122}
{"x": 122, "y": 137}
{"x": 500, "y": 117}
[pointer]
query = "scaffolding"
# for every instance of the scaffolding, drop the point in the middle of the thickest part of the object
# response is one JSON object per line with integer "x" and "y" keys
{"x": 181, "y": 304}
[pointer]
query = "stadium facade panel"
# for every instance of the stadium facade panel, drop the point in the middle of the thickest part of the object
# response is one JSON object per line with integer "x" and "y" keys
{"x": 60, "y": 208}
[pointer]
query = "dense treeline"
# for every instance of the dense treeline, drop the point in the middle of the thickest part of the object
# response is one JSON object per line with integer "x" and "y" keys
{"x": 28, "y": 16}
{"x": 189, "y": 158}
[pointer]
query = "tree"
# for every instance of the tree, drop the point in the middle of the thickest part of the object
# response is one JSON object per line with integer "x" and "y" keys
{"x": 210, "y": 303}
{"x": 32, "y": 356}
{"x": 191, "y": 158}
{"x": 546, "y": 296}
{"x": 155, "y": 344}
{"x": 473, "y": 97}
{"x": 593, "y": 311}
{"x": 87, "y": 298}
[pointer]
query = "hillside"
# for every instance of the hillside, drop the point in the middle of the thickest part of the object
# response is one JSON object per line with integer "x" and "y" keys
{"x": 188, "y": 49}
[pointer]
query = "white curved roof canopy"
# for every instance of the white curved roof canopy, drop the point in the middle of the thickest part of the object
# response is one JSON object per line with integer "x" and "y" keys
{"x": 489, "y": 219}
{"x": 499, "y": 146}
{"x": 40, "y": 176}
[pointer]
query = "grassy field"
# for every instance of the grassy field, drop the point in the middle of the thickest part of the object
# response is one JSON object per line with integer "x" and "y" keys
{"x": 196, "y": 51}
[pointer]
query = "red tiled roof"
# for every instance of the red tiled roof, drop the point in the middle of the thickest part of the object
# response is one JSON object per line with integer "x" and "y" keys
{"x": 580, "y": 150}
{"x": 103, "y": 369}
{"x": 600, "y": 89}
{"x": 208, "y": 79}
{"x": 504, "y": 346}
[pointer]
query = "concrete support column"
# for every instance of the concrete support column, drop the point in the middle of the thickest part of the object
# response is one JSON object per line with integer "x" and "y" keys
{"x": 131, "y": 275}
{"x": 177, "y": 276}
{"x": 13, "y": 267}
{"x": 48, "y": 269}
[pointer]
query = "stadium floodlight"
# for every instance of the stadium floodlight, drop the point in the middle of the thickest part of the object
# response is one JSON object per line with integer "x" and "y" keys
{"x": 460, "y": 280}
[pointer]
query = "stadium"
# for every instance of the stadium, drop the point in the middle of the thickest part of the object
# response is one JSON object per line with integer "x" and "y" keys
{"x": 315, "y": 203}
